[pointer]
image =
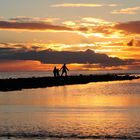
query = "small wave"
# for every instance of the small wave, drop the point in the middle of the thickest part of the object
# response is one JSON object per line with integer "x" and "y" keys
{"x": 61, "y": 136}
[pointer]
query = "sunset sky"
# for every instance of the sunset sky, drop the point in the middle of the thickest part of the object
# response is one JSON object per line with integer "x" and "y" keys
{"x": 36, "y": 35}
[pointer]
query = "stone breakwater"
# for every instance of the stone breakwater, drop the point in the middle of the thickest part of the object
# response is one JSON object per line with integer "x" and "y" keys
{"x": 43, "y": 82}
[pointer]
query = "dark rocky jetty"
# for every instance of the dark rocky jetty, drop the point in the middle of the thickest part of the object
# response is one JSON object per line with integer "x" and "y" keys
{"x": 42, "y": 82}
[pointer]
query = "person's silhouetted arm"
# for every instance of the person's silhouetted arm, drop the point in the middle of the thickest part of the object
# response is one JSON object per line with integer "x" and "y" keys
{"x": 61, "y": 68}
{"x": 67, "y": 69}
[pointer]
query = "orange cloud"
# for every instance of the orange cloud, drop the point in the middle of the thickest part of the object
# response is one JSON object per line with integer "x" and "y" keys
{"x": 77, "y": 5}
{"x": 32, "y": 26}
{"x": 82, "y": 5}
{"x": 69, "y": 23}
{"x": 33, "y": 19}
{"x": 131, "y": 10}
{"x": 86, "y": 27}
{"x": 22, "y": 65}
{"x": 97, "y": 21}
{"x": 131, "y": 27}
{"x": 99, "y": 26}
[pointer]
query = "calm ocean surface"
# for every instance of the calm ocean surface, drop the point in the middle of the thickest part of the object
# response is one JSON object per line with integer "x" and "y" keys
{"x": 90, "y": 111}
{"x": 4, "y": 75}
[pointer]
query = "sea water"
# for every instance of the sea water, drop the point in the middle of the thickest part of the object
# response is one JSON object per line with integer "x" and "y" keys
{"x": 102, "y": 110}
{"x": 27, "y": 74}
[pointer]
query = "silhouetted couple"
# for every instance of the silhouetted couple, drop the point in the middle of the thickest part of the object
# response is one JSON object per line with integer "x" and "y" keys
{"x": 64, "y": 71}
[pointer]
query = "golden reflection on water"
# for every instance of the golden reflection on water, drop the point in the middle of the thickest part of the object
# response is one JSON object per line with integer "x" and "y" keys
{"x": 108, "y": 108}
{"x": 104, "y": 94}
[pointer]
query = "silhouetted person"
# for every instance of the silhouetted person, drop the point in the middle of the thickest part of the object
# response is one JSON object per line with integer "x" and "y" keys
{"x": 55, "y": 71}
{"x": 64, "y": 70}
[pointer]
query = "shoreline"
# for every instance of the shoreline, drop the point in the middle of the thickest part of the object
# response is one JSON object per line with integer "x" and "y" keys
{"x": 14, "y": 84}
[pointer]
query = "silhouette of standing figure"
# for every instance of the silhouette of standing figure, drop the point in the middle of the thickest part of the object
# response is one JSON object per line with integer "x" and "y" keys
{"x": 64, "y": 70}
{"x": 55, "y": 71}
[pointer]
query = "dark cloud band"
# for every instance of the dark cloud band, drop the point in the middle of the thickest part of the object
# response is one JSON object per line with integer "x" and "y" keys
{"x": 132, "y": 27}
{"x": 31, "y": 26}
{"x": 59, "y": 57}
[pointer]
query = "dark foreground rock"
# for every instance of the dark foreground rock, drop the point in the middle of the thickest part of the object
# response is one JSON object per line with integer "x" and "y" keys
{"x": 42, "y": 82}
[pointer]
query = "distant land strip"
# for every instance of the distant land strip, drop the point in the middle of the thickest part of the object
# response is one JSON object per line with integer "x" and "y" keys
{"x": 43, "y": 82}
